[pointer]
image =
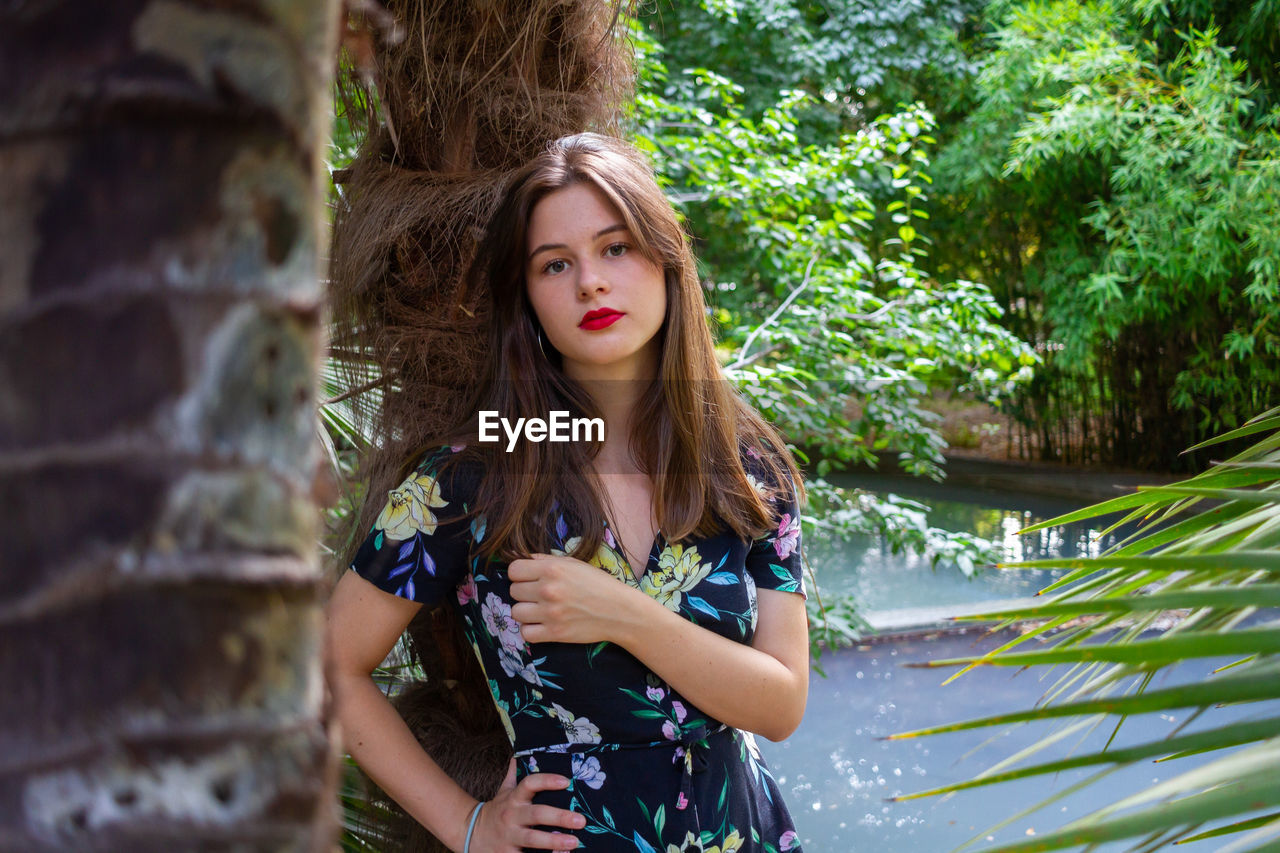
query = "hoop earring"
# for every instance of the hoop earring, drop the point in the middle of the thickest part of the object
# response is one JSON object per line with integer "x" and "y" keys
{"x": 542, "y": 345}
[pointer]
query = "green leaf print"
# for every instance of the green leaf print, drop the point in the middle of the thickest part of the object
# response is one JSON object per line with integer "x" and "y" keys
{"x": 595, "y": 650}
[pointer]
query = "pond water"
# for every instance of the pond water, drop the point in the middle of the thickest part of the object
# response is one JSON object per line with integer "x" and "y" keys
{"x": 836, "y": 773}
{"x": 882, "y": 581}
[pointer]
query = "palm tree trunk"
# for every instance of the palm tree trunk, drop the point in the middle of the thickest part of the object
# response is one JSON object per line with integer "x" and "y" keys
{"x": 160, "y": 618}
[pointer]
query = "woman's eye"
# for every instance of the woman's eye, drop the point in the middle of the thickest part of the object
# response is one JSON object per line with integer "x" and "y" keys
{"x": 617, "y": 249}
{"x": 553, "y": 267}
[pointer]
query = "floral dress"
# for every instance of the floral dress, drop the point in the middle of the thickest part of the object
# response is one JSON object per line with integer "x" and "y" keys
{"x": 649, "y": 770}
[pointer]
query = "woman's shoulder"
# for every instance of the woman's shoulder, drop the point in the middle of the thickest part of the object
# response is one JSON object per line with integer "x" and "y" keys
{"x": 766, "y": 467}
{"x": 453, "y": 470}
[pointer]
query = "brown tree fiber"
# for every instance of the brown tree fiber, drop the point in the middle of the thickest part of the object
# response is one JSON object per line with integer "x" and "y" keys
{"x": 469, "y": 92}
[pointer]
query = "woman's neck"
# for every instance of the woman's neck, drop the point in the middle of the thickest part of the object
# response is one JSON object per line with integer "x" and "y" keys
{"x": 616, "y": 390}
{"x": 617, "y": 401}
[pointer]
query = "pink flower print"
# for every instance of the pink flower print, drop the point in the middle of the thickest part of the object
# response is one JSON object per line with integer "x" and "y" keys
{"x": 753, "y": 453}
{"x": 654, "y": 694}
{"x": 457, "y": 448}
{"x": 609, "y": 540}
{"x": 467, "y": 590}
{"x": 788, "y": 536}
{"x": 681, "y": 713}
{"x": 788, "y": 841}
{"x": 682, "y": 802}
{"x": 668, "y": 730}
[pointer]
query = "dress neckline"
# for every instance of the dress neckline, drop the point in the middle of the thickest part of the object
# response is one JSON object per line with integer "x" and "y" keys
{"x": 654, "y": 549}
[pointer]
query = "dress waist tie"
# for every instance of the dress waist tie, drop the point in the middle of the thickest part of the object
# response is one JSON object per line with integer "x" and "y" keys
{"x": 691, "y": 748}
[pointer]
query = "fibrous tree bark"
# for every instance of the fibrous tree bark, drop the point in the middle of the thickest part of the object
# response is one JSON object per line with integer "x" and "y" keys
{"x": 469, "y": 93}
{"x": 160, "y": 306}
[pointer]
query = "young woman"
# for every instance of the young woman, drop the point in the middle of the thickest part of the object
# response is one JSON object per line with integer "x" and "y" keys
{"x": 636, "y": 599}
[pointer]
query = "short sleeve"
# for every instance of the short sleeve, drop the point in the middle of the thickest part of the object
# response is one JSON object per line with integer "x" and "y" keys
{"x": 420, "y": 543}
{"x": 774, "y": 560}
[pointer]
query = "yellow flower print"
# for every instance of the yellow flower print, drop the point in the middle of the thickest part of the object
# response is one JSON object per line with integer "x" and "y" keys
{"x": 693, "y": 844}
{"x": 409, "y": 506}
{"x": 605, "y": 558}
{"x": 679, "y": 570}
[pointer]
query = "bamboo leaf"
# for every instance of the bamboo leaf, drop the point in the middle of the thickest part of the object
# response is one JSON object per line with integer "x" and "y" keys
{"x": 1239, "y": 826}
{"x": 1190, "y": 811}
{"x": 1250, "y": 428}
{"x": 1250, "y": 559}
{"x": 1220, "y": 738}
{"x": 1257, "y": 683}
{"x": 1259, "y": 595}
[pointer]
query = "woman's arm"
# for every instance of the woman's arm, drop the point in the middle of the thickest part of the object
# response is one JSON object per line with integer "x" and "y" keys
{"x": 362, "y": 626}
{"x": 760, "y": 687}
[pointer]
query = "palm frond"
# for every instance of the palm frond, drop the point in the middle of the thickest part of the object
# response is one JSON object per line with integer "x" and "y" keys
{"x": 1203, "y": 557}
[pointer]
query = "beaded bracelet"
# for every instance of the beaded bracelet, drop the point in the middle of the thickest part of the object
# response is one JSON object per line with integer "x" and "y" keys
{"x": 471, "y": 827}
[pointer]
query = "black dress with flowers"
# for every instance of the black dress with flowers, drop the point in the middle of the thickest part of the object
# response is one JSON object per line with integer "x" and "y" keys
{"x": 649, "y": 770}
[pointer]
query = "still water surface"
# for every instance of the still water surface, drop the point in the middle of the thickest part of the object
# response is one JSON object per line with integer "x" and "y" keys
{"x": 835, "y": 770}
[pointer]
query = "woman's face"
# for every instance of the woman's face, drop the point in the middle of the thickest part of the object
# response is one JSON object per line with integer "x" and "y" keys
{"x": 599, "y": 300}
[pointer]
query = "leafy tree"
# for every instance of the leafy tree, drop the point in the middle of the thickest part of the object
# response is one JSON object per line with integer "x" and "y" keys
{"x": 857, "y": 58}
{"x": 1117, "y": 180}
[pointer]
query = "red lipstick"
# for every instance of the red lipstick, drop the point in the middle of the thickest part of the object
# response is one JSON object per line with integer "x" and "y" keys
{"x": 599, "y": 318}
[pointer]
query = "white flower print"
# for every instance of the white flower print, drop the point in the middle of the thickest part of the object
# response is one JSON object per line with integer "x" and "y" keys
{"x": 500, "y": 623}
{"x": 753, "y": 606}
{"x": 576, "y": 729}
{"x": 513, "y": 664}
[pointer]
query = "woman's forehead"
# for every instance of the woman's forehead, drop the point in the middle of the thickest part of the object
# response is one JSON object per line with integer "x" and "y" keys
{"x": 577, "y": 208}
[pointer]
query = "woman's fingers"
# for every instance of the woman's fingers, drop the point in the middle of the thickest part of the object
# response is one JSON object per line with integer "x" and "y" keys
{"x": 552, "y": 816}
{"x": 539, "y": 840}
{"x": 514, "y": 815}
{"x": 510, "y": 780}
{"x": 535, "y": 782}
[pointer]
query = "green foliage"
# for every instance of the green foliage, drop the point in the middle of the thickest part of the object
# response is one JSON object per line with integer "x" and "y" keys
{"x": 811, "y": 257}
{"x": 1132, "y": 171}
{"x": 856, "y": 57}
{"x": 811, "y": 317}
{"x": 1206, "y": 571}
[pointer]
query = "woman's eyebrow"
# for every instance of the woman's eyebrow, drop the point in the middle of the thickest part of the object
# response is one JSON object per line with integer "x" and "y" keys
{"x": 618, "y": 226}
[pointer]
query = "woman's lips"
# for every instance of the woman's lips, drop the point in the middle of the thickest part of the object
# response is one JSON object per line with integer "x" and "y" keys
{"x": 599, "y": 319}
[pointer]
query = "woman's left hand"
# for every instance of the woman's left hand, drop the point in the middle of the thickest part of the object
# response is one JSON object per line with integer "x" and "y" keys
{"x": 564, "y": 600}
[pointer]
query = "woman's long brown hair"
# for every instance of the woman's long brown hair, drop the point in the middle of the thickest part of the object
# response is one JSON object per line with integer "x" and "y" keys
{"x": 690, "y": 427}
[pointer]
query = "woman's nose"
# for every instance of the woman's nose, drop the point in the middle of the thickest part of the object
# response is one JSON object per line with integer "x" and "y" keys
{"x": 590, "y": 281}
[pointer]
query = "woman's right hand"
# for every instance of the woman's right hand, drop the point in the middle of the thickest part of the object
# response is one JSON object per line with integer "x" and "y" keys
{"x": 506, "y": 823}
